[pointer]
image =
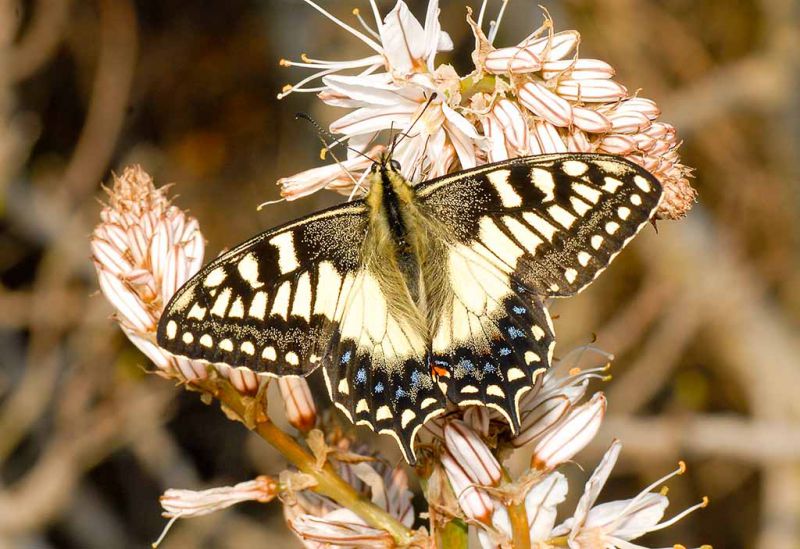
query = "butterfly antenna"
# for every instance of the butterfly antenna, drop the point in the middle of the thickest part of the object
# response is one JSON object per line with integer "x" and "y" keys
{"x": 399, "y": 137}
{"x": 327, "y": 147}
{"x": 334, "y": 141}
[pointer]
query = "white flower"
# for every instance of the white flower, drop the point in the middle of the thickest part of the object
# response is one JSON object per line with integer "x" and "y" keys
{"x": 144, "y": 249}
{"x": 537, "y": 97}
{"x": 320, "y": 522}
{"x": 409, "y": 91}
{"x": 615, "y": 524}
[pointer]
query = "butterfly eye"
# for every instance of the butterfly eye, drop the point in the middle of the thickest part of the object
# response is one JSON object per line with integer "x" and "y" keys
{"x": 374, "y": 168}
{"x": 395, "y": 165}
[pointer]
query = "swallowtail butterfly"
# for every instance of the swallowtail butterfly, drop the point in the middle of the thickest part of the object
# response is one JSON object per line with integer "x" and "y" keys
{"x": 419, "y": 295}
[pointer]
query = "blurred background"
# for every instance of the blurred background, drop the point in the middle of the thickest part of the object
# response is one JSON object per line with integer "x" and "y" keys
{"x": 703, "y": 317}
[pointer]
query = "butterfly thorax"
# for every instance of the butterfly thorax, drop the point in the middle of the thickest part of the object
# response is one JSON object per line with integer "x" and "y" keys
{"x": 400, "y": 250}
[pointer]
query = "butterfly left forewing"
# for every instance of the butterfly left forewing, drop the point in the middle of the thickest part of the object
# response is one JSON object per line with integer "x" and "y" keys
{"x": 271, "y": 303}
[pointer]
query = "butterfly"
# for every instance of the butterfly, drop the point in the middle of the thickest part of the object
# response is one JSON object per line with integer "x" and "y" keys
{"x": 418, "y": 296}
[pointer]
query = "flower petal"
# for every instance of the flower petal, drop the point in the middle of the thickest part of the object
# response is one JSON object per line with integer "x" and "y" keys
{"x": 577, "y": 69}
{"x": 591, "y": 91}
{"x": 512, "y": 60}
{"x": 472, "y": 453}
{"x": 542, "y": 102}
{"x": 541, "y": 502}
{"x": 571, "y": 435}
{"x": 403, "y": 40}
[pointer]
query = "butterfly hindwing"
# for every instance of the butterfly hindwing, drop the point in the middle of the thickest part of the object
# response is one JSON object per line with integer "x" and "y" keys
{"x": 556, "y": 221}
{"x": 376, "y": 367}
{"x": 494, "y": 337}
{"x": 271, "y": 303}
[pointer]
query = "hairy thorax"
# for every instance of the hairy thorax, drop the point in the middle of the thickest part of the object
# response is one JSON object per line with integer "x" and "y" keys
{"x": 405, "y": 252}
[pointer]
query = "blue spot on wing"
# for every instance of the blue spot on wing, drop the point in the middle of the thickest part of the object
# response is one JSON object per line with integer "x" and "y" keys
{"x": 399, "y": 393}
{"x": 489, "y": 368}
{"x": 519, "y": 310}
{"x": 346, "y": 357}
{"x": 361, "y": 376}
{"x": 379, "y": 387}
{"x": 515, "y": 332}
{"x": 505, "y": 351}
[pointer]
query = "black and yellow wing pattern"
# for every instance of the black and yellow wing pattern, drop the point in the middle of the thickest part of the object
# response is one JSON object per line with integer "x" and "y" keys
{"x": 513, "y": 233}
{"x": 521, "y": 231}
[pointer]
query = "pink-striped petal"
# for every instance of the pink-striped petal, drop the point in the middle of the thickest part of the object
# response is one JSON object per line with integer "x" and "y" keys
{"x": 591, "y": 91}
{"x": 544, "y": 103}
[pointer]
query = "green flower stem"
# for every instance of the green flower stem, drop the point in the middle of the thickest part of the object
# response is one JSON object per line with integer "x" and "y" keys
{"x": 470, "y": 85}
{"x": 453, "y": 535}
{"x": 518, "y": 516}
{"x": 329, "y": 483}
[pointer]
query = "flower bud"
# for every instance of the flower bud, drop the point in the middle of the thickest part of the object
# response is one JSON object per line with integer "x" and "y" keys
{"x": 300, "y": 409}
{"x": 512, "y": 60}
{"x": 591, "y": 91}
{"x": 571, "y": 435}
{"x": 471, "y": 453}
{"x": 542, "y": 102}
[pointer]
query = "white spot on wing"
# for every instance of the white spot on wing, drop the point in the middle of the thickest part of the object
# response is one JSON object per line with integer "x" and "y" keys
{"x": 287, "y": 258}
{"x": 514, "y": 374}
{"x": 237, "y": 309}
{"x": 543, "y": 180}
{"x": 499, "y": 243}
{"x": 406, "y": 418}
{"x": 327, "y": 292}
{"x": 206, "y": 340}
{"x": 221, "y": 304}
{"x": 383, "y": 413}
{"x": 546, "y": 229}
{"x": 172, "y": 329}
{"x": 362, "y": 406}
{"x": 343, "y": 387}
{"x": 596, "y": 241}
{"x": 537, "y": 332}
{"x": 248, "y": 269}
{"x": 197, "y": 312}
{"x": 531, "y": 357}
{"x": 269, "y": 353}
{"x": 188, "y": 338}
{"x": 562, "y": 216}
{"x": 258, "y": 307}
{"x": 636, "y": 200}
{"x": 574, "y": 168}
{"x": 587, "y": 192}
{"x": 301, "y": 306}
{"x": 584, "y": 258}
{"x": 248, "y": 348}
{"x": 580, "y": 207}
{"x": 495, "y": 390}
{"x": 612, "y": 227}
{"x": 610, "y": 184}
{"x": 523, "y": 235}
{"x": 642, "y": 183}
{"x": 226, "y": 345}
{"x": 570, "y": 275}
{"x": 215, "y": 278}
{"x": 292, "y": 358}
{"x": 280, "y": 306}
{"x": 508, "y": 196}
{"x": 623, "y": 212}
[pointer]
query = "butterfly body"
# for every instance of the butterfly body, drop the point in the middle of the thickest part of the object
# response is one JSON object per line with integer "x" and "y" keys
{"x": 420, "y": 295}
